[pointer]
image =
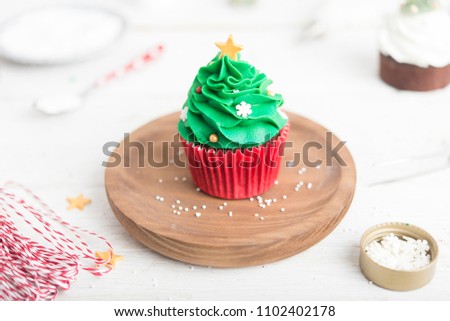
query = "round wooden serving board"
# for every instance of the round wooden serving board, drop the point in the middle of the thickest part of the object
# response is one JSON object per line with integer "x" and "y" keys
{"x": 215, "y": 238}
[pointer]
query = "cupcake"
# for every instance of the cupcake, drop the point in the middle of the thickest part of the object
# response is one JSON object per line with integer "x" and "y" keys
{"x": 232, "y": 128}
{"x": 415, "y": 47}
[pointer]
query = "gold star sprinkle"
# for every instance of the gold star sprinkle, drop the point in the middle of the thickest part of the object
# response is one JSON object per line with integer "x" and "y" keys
{"x": 106, "y": 256}
{"x": 229, "y": 48}
{"x": 213, "y": 138}
{"x": 78, "y": 202}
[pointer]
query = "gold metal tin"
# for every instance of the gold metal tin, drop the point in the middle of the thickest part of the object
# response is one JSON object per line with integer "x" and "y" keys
{"x": 398, "y": 280}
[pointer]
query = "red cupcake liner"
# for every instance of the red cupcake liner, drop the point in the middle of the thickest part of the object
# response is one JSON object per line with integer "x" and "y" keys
{"x": 236, "y": 174}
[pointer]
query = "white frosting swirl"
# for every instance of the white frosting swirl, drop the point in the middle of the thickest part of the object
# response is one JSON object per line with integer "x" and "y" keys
{"x": 421, "y": 39}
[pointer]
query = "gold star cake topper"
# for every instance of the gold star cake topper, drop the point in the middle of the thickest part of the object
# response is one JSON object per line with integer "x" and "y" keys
{"x": 109, "y": 257}
{"x": 78, "y": 202}
{"x": 229, "y": 48}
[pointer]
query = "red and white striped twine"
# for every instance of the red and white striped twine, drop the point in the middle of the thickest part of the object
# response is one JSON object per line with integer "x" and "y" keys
{"x": 35, "y": 270}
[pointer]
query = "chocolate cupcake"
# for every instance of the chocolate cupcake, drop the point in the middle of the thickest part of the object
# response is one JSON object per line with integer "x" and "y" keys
{"x": 415, "y": 47}
{"x": 232, "y": 128}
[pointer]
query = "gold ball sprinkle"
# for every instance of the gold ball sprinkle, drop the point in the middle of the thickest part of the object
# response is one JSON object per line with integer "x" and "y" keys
{"x": 213, "y": 138}
{"x": 270, "y": 93}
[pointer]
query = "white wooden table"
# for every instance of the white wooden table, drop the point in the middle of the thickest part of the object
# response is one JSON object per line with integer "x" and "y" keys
{"x": 332, "y": 80}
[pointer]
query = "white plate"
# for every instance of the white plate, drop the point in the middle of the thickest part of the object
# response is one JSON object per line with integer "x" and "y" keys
{"x": 57, "y": 34}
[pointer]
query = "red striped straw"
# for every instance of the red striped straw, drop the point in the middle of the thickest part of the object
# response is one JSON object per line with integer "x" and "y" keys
{"x": 135, "y": 64}
{"x": 35, "y": 268}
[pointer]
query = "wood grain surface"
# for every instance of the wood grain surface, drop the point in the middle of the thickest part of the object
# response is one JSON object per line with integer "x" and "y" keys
{"x": 251, "y": 234}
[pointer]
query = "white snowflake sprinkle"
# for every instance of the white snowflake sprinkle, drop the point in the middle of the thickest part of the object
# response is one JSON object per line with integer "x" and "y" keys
{"x": 183, "y": 113}
{"x": 243, "y": 109}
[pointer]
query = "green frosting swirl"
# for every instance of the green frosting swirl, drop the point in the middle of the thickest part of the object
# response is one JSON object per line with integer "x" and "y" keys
{"x": 211, "y": 106}
{"x": 419, "y": 6}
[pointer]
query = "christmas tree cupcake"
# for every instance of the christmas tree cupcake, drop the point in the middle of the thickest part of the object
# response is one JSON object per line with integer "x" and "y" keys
{"x": 232, "y": 128}
{"x": 415, "y": 47}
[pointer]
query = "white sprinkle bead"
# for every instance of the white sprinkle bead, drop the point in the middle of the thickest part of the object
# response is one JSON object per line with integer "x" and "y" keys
{"x": 186, "y": 209}
{"x": 184, "y": 179}
{"x": 261, "y": 218}
{"x": 282, "y": 209}
{"x": 160, "y": 180}
{"x": 396, "y": 253}
{"x": 284, "y": 197}
{"x": 198, "y": 214}
{"x": 157, "y": 197}
{"x": 173, "y": 206}
{"x": 276, "y": 182}
{"x": 256, "y": 214}
{"x": 225, "y": 204}
{"x": 220, "y": 207}
{"x": 177, "y": 201}
{"x": 251, "y": 199}
{"x": 180, "y": 208}
{"x": 178, "y": 213}
{"x": 274, "y": 200}
{"x": 198, "y": 189}
{"x": 204, "y": 207}
{"x": 174, "y": 211}
{"x": 161, "y": 199}
{"x": 309, "y": 186}
{"x": 194, "y": 207}
{"x": 230, "y": 213}
{"x": 175, "y": 178}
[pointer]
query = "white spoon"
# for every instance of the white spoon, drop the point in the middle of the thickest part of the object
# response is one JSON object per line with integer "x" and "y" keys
{"x": 63, "y": 103}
